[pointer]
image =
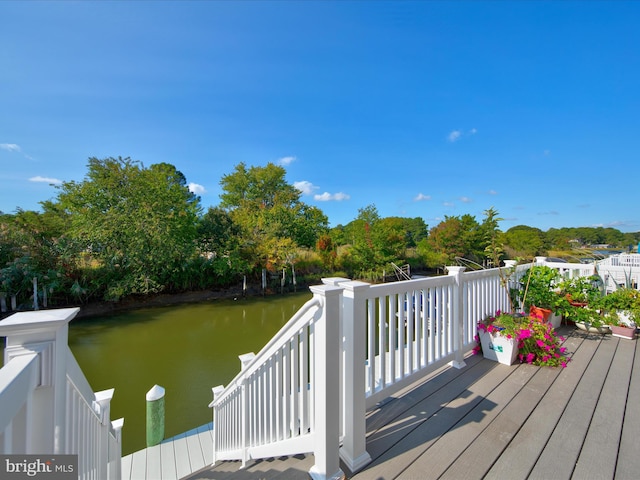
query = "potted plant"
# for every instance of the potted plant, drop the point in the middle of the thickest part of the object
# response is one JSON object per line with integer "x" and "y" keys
{"x": 498, "y": 337}
{"x": 539, "y": 294}
{"x": 622, "y": 310}
{"x": 506, "y": 337}
{"x": 539, "y": 345}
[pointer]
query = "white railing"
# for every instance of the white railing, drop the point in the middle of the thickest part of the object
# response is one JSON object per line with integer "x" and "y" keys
{"x": 47, "y": 404}
{"x": 392, "y": 334}
{"x": 616, "y": 271}
{"x": 277, "y": 404}
{"x": 622, "y": 260}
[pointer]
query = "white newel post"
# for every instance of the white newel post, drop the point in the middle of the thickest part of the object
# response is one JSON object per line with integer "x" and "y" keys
{"x": 44, "y": 332}
{"x": 216, "y": 392}
{"x": 337, "y": 281}
{"x": 327, "y": 383}
{"x": 353, "y": 451}
{"x": 245, "y": 361}
{"x": 115, "y": 464}
{"x": 103, "y": 399}
{"x": 457, "y": 317}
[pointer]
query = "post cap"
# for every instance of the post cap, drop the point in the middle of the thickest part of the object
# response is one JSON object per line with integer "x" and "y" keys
{"x": 156, "y": 393}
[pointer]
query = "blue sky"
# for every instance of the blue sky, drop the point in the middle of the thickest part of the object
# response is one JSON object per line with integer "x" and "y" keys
{"x": 424, "y": 109}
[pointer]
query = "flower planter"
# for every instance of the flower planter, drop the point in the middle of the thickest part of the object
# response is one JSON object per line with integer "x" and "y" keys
{"x": 498, "y": 348}
{"x": 539, "y": 312}
{"x": 602, "y": 330}
{"x": 555, "y": 320}
{"x": 623, "y": 332}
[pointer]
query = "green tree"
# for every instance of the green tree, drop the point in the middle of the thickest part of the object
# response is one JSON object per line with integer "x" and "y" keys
{"x": 269, "y": 211}
{"x": 457, "y": 236}
{"x": 138, "y": 222}
{"x": 524, "y": 241}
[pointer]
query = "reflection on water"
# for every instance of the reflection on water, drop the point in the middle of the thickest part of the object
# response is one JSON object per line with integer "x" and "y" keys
{"x": 186, "y": 349}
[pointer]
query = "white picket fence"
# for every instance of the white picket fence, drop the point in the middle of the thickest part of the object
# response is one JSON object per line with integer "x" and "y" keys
{"x": 47, "y": 404}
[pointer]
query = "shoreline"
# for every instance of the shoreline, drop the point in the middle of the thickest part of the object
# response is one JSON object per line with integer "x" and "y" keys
{"x": 105, "y": 308}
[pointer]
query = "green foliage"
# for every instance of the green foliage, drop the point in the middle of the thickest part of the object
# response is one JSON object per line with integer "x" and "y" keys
{"x": 272, "y": 219}
{"x": 539, "y": 288}
{"x": 624, "y": 300}
{"x": 460, "y": 236}
{"x": 524, "y": 241}
{"x": 136, "y": 220}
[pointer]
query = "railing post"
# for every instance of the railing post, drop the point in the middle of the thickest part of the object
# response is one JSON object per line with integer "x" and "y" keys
{"x": 115, "y": 456}
{"x": 245, "y": 361}
{"x": 45, "y": 332}
{"x": 337, "y": 281}
{"x": 327, "y": 381}
{"x": 103, "y": 400}
{"x": 216, "y": 391}
{"x": 457, "y": 316}
{"x": 353, "y": 451}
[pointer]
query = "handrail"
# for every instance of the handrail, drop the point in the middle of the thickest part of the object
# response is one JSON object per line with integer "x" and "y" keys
{"x": 284, "y": 335}
{"x": 17, "y": 379}
{"x": 42, "y": 379}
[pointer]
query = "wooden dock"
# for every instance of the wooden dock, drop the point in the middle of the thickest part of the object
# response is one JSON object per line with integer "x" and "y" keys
{"x": 485, "y": 421}
{"x": 174, "y": 458}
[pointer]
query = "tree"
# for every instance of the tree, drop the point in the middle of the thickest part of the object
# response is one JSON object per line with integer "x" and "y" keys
{"x": 457, "y": 236}
{"x": 268, "y": 210}
{"x": 524, "y": 241}
{"x": 218, "y": 234}
{"x": 135, "y": 220}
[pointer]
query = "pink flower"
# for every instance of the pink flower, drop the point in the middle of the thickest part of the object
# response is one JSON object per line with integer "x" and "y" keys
{"x": 531, "y": 357}
{"x": 540, "y": 343}
{"x": 525, "y": 333}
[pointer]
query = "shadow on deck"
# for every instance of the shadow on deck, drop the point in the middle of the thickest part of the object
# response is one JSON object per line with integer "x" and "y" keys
{"x": 492, "y": 421}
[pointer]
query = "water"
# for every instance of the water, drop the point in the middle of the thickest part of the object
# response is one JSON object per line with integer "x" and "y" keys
{"x": 186, "y": 349}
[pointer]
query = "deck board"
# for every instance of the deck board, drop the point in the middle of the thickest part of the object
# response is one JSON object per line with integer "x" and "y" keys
{"x": 490, "y": 421}
{"x": 167, "y": 461}
{"x": 518, "y": 459}
{"x": 600, "y": 450}
{"x": 571, "y": 429}
{"x": 628, "y": 457}
{"x": 497, "y": 428}
{"x": 154, "y": 464}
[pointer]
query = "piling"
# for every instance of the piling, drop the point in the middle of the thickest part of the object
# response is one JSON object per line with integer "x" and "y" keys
{"x": 155, "y": 415}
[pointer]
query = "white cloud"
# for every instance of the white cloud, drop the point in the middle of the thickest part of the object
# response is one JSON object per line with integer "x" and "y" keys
{"x": 449, "y": 204}
{"x": 492, "y": 192}
{"x": 45, "y": 180}
{"x": 284, "y": 161}
{"x": 454, "y": 135}
{"x": 465, "y": 200}
{"x": 326, "y": 197}
{"x": 420, "y": 197}
{"x": 197, "y": 189}
{"x": 473, "y": 131}
{"x": 10, "y": 147}
{"x": 305, "y": 187}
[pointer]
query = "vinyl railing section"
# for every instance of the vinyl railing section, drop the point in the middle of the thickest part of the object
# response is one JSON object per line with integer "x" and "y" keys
{"x": 48, "y": 407}
{"x": 352, "y": 345}
{"x": 278, "y": 404}
{"x": 616, "y": 271}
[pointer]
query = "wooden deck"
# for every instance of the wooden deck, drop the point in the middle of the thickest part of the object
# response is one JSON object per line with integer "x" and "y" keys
{"x": 492, "y": 421}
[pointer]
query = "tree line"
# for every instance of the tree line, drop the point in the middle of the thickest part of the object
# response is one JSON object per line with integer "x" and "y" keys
{"x": 128, "y": 230}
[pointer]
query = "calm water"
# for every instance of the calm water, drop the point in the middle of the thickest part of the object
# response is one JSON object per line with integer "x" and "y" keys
{"x": 186, "y": 349}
